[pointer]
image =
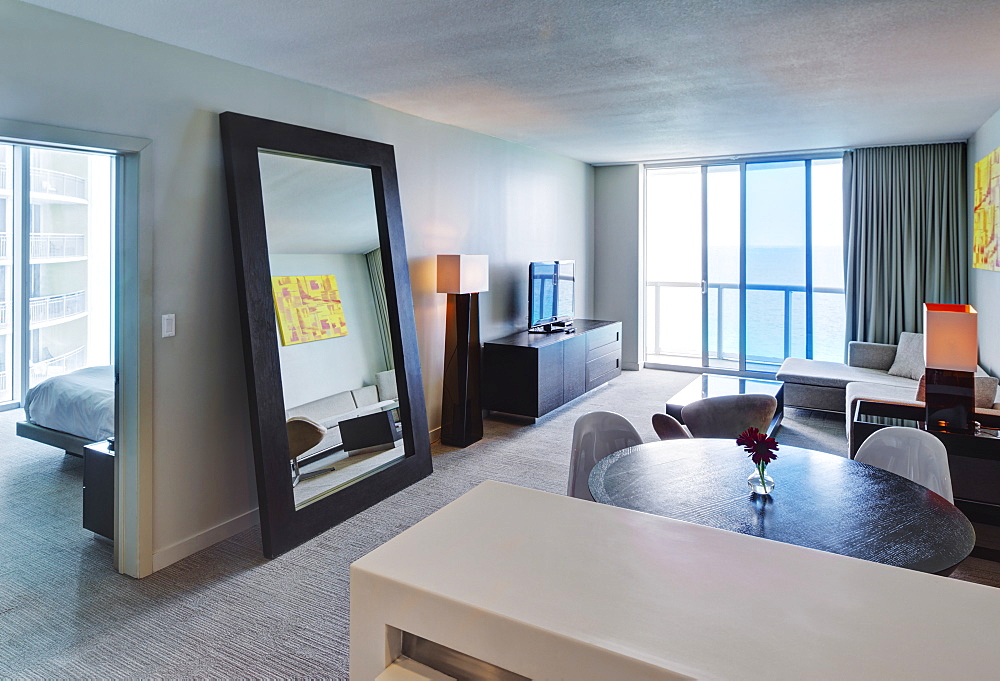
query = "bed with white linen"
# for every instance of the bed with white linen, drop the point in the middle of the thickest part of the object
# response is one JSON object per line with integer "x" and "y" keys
{"x": 72, "y": 410}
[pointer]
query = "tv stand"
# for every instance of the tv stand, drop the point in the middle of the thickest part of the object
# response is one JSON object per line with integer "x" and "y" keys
{"x": 531, "y": 374}
{"x": 564, "y": 326}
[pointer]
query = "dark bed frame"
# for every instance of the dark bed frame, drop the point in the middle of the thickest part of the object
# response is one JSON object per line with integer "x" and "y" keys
{"x": 72, "y": 444}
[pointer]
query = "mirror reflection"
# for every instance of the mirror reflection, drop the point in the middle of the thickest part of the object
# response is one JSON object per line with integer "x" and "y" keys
{"x": 331, "y": 319}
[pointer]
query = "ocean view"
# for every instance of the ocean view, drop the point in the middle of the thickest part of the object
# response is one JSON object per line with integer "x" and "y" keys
{"x": 775, "y": 279}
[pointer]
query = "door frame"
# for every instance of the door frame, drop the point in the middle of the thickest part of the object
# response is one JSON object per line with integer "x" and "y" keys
{"x": 133, "y": 333}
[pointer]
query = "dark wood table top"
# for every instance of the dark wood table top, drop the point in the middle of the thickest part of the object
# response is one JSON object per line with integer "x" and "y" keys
{"x": 820, "y": 501}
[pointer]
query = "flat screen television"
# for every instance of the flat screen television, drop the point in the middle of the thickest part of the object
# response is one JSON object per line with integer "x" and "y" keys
{"x": 551, "y": 296}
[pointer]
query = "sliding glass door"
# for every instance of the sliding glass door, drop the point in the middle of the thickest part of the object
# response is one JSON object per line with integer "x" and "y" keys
{"x": 56, "y": 269}
{"x": 744, "y": 264}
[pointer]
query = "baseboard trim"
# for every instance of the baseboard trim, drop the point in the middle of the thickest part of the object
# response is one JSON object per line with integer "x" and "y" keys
{"x": 435, "y": 434}
{"x": 630, "y": 366}
{"x": 203, "y": 540}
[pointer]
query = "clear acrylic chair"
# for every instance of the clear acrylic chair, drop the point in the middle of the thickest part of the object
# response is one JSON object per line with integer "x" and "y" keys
{"x": 913, "y": 454}
{"x": 596, "y": 435}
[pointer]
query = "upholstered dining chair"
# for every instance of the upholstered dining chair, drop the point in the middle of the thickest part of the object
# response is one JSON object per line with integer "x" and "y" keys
{"x": 669, "y": 428}
{"x": 596, "y": 435}
{"x": 729, "y": 415}
{"x": 913, "y": 454}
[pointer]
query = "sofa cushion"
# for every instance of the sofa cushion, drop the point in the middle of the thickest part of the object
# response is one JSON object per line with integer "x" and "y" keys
{"x": 386, "y": 382}
{"x": 909, "y": 362}
{"x": 835, "y": 374}
{"x": 325, "y": 409}
{"x": 365, "y": 395}
{"x": 986, "y": 391}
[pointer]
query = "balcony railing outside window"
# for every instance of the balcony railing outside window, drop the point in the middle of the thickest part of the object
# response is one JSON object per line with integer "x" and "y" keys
{"x": 46, "y": 181}
{"x": 53, "y": 245}
{"x": 725, "y": 322}
{"x": 57, "y": 366}
{"x": 51, "y": 308}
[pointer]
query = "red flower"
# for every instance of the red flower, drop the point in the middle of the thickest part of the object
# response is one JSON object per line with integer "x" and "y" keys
{"x": 758, "y": 445}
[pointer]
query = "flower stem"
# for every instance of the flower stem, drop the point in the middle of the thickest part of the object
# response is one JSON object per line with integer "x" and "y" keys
{"x": 760, "y": 469}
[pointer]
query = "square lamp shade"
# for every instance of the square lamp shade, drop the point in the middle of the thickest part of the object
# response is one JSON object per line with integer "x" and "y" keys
{"x": 950, "y": 337}
{"x": 463, "y": 273}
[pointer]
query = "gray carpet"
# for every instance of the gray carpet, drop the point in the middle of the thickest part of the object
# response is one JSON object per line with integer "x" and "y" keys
{"x": 227, "y": 612}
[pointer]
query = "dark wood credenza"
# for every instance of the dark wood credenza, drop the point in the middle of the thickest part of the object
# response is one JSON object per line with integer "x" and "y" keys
{"x": 530, "y": 374}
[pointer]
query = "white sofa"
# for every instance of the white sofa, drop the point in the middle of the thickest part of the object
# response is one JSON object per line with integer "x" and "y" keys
{"x": 330, "y": 411}
{"x": 832, "y": 386}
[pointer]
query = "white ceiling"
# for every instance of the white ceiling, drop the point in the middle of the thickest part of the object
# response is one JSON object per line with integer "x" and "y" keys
{"x": 619, "y": 80}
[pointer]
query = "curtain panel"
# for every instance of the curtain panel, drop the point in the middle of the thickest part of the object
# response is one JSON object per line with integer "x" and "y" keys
{"x": 377, "y": 278}
{"x": 906, "y": 236}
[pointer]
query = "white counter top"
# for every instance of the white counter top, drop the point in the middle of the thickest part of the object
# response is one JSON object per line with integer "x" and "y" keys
{"x": 552, "y": 587}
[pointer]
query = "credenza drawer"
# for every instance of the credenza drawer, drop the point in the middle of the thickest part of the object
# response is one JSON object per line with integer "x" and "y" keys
{"x": 600, "y": 337}
{"x": 594, "y": 381}
{"x": 604, "y": 364}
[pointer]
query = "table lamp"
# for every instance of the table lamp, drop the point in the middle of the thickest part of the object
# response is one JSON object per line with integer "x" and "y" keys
{"x": 951, "y": 355}
{"x": 462, "y": 277}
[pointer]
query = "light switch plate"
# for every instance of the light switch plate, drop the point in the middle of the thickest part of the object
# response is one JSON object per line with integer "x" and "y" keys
{"x": 169, "y": 326}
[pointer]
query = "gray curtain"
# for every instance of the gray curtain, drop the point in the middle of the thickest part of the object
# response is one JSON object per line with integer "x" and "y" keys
{"x": 381, "y": 306}
{"x": 906, "y": 236}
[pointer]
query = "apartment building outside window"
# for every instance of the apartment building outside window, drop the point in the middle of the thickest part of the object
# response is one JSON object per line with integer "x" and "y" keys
{"x": 744, "y": 263}
{"x": 56, "y": 269}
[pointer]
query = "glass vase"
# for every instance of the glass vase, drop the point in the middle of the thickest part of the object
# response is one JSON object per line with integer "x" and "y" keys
{"x": 758, "y": 486}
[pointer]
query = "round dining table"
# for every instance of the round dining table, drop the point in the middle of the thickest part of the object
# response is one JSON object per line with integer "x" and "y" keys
{"x": 820, "y": 501}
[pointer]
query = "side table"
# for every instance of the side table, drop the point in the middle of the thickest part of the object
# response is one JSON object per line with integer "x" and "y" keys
{"x": 974, "y": 460}
{"x": 99, "y": 488}
{"x": 369, "y": 431}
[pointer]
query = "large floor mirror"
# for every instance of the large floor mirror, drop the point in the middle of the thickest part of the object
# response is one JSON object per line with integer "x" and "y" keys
{"x": 336, "y": 399}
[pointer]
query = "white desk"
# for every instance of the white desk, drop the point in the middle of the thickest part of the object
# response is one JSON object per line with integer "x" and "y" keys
{"x": 552, "y": 587}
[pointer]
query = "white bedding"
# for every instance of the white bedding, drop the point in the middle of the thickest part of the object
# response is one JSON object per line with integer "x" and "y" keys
{"x": 80, "y": 403}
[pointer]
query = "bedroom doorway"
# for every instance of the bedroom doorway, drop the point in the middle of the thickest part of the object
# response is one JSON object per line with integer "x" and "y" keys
{"x": 73, "y": 271}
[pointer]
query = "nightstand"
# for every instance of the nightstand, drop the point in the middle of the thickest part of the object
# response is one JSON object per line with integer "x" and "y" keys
{"x": 99, "y": 489}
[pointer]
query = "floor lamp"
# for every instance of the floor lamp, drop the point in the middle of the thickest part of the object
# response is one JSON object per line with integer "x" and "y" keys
{"x": 951, "y": 353}
{"x": 462, "y": 277}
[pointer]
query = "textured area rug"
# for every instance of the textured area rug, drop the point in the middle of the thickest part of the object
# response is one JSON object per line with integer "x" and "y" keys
{"x": 226, "y": 612}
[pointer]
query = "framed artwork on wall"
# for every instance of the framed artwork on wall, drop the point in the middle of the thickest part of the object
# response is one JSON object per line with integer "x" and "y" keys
{"x": 308, "y": 308}
{"x": 986, "y": 213}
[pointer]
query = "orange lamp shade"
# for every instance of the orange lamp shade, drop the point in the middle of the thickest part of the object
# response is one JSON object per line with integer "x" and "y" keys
{"x": 951, "y": 337}
{"x": 463, "y": 273}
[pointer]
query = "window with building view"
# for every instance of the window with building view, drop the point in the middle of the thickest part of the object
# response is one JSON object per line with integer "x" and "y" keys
{"x": 56, "y": 269}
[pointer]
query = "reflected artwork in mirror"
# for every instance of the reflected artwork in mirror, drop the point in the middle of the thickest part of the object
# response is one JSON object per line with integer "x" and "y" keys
{"x": 336, "y": 400}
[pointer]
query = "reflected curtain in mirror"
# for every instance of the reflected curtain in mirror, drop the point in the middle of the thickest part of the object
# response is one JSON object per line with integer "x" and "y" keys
{"x": 381, "y": 305}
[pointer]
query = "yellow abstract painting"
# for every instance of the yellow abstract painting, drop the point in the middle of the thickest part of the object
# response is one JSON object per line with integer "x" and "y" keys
{"x": 985, "y": 212}
{"x": 308, "y": 308}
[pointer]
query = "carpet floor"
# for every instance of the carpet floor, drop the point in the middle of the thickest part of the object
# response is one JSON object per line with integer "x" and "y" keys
{"x": 226, "y": 611}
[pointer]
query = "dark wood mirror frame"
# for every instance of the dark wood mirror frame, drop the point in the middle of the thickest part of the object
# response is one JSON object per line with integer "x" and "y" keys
{"x": 282, "y": 526}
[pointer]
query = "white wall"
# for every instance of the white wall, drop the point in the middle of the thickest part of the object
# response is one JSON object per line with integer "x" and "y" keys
{"x": 984, "y": 284}
{"x": 310, "y": 371}
{"x": 618, "y": 264}
{"x": 460, "y": 192}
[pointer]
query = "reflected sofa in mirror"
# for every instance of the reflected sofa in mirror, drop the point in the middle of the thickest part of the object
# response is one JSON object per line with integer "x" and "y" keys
{"x": 336, "y": 400}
